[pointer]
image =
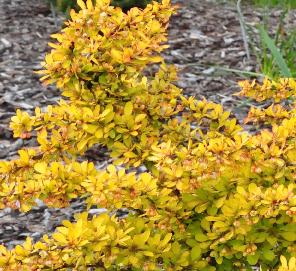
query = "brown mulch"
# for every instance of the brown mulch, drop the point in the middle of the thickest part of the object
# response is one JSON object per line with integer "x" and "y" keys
{"x": 207, "y": 34}
{"x": 203, "y": 35}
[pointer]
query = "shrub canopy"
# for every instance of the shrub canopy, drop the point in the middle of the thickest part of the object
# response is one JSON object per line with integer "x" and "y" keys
{"x": 213, "y": 197}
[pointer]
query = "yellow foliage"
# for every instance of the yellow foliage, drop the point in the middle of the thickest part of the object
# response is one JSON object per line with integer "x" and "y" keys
{"x": 213, "y": 197}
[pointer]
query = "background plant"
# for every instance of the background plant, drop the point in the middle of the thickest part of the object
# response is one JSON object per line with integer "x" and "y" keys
{"x": 271, "y": 3}
{"x": 275, "y": 53}
{"x": 278, "y": 3}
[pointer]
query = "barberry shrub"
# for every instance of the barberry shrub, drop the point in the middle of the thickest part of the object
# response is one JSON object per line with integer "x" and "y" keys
{"x": 213, "y": 197}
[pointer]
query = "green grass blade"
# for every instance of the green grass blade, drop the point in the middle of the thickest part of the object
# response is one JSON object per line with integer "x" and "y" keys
{"x": 284, "y": 69}
{"x": 241, "y": 72}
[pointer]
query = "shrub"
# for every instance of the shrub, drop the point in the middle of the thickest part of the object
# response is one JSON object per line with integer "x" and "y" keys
{"x": 214, "y": 196}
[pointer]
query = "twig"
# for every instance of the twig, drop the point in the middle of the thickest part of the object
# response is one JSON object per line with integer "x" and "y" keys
{"x": 243, "y": 29}
{"x": 52, "y": 9}
{"x": 3, "y": 63}
{"x": 184, "y": 66}
{"x": 241, "y": 72}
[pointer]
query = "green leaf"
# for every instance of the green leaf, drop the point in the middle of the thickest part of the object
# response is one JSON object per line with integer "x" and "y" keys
{"x": 271, "y": 240}
{"x": 268, "y": 254}
{"x": 278, "y": 57}
{"x": 118, "y": 145}
{"x": 201, "y": 237}
{"x": 253, "y": 259}
{"x": 191, "y": 242}
{"x": 289, "y": 236}
{"x": 195, "y": 253}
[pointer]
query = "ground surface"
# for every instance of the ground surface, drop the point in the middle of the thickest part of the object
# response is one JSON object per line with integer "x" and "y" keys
{"x": 203, "y": 34}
